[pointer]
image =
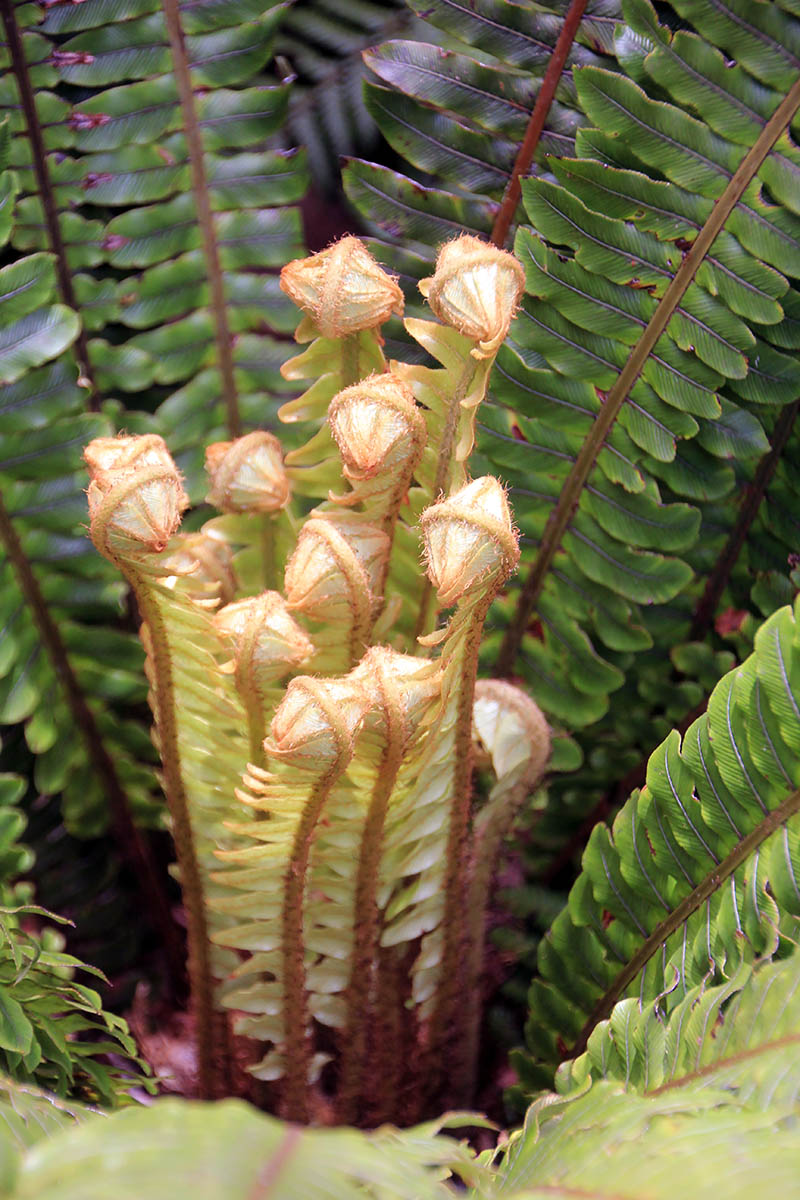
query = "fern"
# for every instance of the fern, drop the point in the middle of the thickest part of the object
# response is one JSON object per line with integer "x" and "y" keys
{"x": 721, "y": 1070}
{"x": 688, "y": 1140}
{"x": 463, "y": 120}
{"x": 737, "y": 271}
{"x": 372, "y": 755}
{"x": 159, "y": 169}
{"x": 15, "y": 857}
{"x": 731, "y": 1093}
{"x": 336, "y": 872}
{"x": 137, "y": 141}
{"x": 29, "y": 1114}
{"x": 615, "y": 413}
{"x": 699, "y": 869}
{"x": 54, "y": 597}
{"x": 740, "y": 1035}
{"x": 231, "y": 1150}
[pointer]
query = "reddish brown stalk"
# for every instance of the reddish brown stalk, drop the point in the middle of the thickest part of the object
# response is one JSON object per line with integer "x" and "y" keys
{"x": 367, "y": 927}
{"x": 497, "y": 821}
{"x": 297, "y": 1053}
{"x": 205, "y": 216}
{"x": 564, "y": 511}
{"x": 394, "y": 1078}
{"x": 751, "y": 502}
{"x": 538, "y": 117}
{"x": 132, "y": 846}
{"x": 47, "y": 196}
{"x": 264, "y": 1184}
{"x": 445, "y": 1023}
{"x": 384, "y": 1066}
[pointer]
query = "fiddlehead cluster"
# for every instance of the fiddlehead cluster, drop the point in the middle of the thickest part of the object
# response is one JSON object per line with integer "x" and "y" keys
{"x": 329, "y": 843}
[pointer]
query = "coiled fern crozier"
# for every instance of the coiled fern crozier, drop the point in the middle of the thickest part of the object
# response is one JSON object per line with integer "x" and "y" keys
{"x": 319, "y": 742}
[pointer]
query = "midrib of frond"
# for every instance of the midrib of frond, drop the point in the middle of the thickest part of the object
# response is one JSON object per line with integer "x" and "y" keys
{"x": 205, "y": 216}
{"x": 753, "y": 1054}
{"x": 748, "y": 511}
{"x": 561, "y": 516}
{"x": 536, "y": 123}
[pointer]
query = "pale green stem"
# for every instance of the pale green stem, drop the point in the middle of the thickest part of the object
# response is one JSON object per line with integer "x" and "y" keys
{"x": 252, "y": 698}
{"x": 351, "y": 359}
{"x": 268, "y": 571}
{"x": 386, "y": 515}
{"x": 256, "y": 730}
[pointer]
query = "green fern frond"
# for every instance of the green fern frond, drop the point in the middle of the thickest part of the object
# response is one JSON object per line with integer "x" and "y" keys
{"x": 699, "y": 871}
{"x": 611, "y": 1143}
{"x": 59, "y": 606}
{"x": 15, "y": 857}
{"x": 741, "y": 1035}
{"x": 29, "y": 1114}
{"x": 604, "y": 423}
{"x": 160, "y": 168}
{"x": 612, "y": 233}
{"x": 232, "y": 1150}
{"x": 200, "y": 723}
{"x": 53, "y": 592}
{"x": 719, "y": 1074}
{"x": 458, "y": 113}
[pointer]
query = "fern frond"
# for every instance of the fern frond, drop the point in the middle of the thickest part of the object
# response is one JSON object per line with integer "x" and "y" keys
{"x": 135, "y": 500}
{"x": 312, "y": 743}
{"x": 460, "y": 120}
{"x": 647, "y": 1145}
{"x": 164, "y": 173}
{"x": 760, "y": 543}
{"x": 634, "y": 234}
{"x": 700, "y": 868}
{"x": 29, "y": 1114}
{"x": 15, "y": 857}
{"x": 742, "y": 1035}
{"x": 237, "y": 1152}
{"x": 723, "y": 1065}
{"x": 607, "y": 418}
{"x": 57, "y": 607}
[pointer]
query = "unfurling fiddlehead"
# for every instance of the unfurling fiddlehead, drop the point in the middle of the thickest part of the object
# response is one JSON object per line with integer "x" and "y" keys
{"x": 335, "y": 866}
